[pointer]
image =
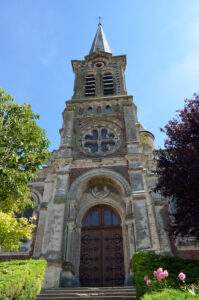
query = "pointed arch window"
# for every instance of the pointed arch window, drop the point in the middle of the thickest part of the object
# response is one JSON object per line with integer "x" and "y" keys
{"x": 90, "y": 85}
{"x": 108, "y": 84}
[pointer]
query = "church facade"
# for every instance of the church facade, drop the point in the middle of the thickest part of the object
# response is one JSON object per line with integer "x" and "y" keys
{"x": 95, "y": 197}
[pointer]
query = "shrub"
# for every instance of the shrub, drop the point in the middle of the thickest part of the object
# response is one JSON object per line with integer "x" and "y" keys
{"x": 144, "y": 263}
{"x": 21, "y": 279}
{"x": 170, "y": 294}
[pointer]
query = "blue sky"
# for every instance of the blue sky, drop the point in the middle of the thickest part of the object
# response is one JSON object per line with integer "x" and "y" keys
{"x": 159, "y": 37}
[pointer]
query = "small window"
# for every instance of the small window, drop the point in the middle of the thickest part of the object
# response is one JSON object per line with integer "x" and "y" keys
{"x": 108, "y": 84}
{"x": 108, "y": 108}
{"x": 90, "y": 86}
{"x": 90, "y": 109}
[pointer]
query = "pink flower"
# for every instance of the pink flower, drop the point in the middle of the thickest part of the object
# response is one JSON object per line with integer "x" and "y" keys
{"x": 160, "y": 274}
{"x": 159, "y": 270}
{"x": 166, "y": 273}
{"x": 146, "y": 278}
{"x": 182, "y": 276}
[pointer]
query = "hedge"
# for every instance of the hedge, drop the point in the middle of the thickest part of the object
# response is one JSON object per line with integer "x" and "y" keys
{"x": 170, "y": 294}
{"x": 144, "y": 263}
{"x": 21, "y": 279}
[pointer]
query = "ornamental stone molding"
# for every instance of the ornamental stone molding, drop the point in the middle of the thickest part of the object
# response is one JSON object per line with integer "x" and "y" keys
{"x": 78, "y": 186}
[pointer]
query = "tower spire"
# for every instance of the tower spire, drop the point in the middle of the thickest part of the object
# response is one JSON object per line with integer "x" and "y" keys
{"x": 100, "y": 43}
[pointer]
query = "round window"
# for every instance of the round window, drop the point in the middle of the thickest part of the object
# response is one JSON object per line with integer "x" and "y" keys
{"x": 99, "y": 64}
{"x": 99, "y": 141}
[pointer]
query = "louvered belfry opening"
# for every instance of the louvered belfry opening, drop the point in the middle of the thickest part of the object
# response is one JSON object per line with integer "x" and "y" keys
{"x": 90, "y": 85}
{"x": 108, "y": 84}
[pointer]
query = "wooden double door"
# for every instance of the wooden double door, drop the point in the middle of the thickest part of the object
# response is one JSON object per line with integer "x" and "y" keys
{"x": 102, "y": 259}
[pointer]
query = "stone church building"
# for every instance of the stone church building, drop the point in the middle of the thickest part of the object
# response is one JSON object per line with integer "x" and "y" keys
{"x": 95, "y": 200}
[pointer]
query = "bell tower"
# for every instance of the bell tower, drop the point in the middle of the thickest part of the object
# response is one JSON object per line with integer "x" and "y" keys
{"x": 101, "y": 73}
{"x": 97, "y": 204}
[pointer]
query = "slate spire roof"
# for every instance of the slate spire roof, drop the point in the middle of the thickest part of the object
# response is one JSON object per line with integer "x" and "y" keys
{"x": 100, "y": 42}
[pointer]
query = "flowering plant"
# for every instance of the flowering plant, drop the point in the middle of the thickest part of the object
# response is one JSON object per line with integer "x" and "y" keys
{"x": 182, "y": 276}
{"x": 159, "y": 280}
{"x": 160, "y": 275}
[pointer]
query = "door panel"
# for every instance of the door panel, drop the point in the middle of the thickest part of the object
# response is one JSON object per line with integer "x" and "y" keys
{"x": 90, "y": 260}
{"x": 113, "y": 258}
{"x": 102, "y": 260}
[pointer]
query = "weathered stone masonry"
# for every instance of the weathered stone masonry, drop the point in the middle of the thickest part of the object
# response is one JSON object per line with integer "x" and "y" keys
{"x": 100, "y": 144}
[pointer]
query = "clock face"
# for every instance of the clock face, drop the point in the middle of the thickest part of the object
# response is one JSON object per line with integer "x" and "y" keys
{"x": 99, "y": 141}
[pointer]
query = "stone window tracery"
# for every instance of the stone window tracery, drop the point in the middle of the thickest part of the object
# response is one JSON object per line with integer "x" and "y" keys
{"x": 99, "y": 141}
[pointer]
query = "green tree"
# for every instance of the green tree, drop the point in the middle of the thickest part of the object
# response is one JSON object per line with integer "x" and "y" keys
{"x": 12, "y": 230}
{"x": 23, "y": 150}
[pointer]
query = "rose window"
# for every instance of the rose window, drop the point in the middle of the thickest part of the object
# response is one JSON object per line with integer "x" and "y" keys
{"x": 99, "y": 141}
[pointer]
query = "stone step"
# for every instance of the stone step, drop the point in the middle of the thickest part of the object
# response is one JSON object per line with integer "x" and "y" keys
{"x": 86, "y": 297}
{"x": 86, "y": 293}
{"x": 101, "y": 293}
{"x": 90, "y": 290}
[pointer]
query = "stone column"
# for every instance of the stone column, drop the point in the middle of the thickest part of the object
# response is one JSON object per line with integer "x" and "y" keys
{"x": 47, "y": 197}
{"x": 70, "y": 274}
{"x": 52, "y": 248}
{"x": 40, "y": 230}
{"x": 136, "y": 176}
{"x": 132, "y": 138}
{"x": 67, "y": 132}
{"x": 152, "y": 220}
{"x": 142, "y": 232}
{"x": 140, "y": 207}
{"x": 164, "y": 240}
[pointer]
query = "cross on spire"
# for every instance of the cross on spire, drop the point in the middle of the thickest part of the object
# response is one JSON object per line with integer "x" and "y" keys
{"x": 100, "y": 42}
{"x": 100, "y": 21}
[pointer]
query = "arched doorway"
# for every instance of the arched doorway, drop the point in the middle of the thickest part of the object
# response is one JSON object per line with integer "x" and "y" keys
{"x": 101, "y": 258}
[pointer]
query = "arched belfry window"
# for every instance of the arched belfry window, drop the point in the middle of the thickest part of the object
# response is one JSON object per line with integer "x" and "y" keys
{"x": 101, "y": 215}
{"x": 90, "y": 85}
{"x": 108, "y": 84}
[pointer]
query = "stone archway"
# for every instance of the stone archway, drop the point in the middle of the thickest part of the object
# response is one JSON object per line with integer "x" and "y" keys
{"x": 81, "y": 198}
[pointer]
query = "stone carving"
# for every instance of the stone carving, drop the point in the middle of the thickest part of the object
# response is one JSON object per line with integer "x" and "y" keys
{"x": 100, "y": 191}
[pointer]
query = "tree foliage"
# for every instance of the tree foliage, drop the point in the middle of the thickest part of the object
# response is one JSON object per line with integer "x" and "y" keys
{"x": 23, "y": 150}
{"x": 178, "y": 169}
{"x": 12, "y": 230}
